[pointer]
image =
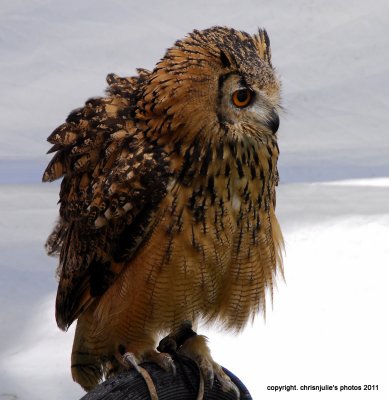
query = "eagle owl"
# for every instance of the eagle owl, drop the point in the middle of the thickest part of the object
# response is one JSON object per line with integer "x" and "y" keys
{"x": 167, "y": 203}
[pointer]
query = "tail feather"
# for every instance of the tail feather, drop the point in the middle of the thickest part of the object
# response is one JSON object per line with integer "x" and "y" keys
{"x": 87, "y": 368}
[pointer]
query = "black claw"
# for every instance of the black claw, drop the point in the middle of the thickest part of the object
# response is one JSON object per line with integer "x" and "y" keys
{"x": 167, "y": 345}
{"x": 172, "y": 343}
{"x": 183, "y": 333}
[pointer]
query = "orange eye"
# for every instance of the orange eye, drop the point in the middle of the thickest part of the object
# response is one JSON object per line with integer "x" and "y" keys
{"x": 242, "y": 98}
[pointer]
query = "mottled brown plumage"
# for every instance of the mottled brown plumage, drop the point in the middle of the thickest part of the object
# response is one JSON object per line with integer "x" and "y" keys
{"x": 167, "y": 204}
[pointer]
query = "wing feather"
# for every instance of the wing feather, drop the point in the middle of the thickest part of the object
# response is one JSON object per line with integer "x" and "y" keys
{"x": 113, "y": 179}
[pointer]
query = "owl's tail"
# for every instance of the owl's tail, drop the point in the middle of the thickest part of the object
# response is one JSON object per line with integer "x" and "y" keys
{"x": 87, "y": 367}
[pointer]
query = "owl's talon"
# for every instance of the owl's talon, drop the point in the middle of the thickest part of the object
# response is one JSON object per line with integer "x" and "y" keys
{"x": 196, "y": 348}
{"x": 130, "y": 361}
{"x": 163, "y": 360}
{"x": 207, "y": 370}
{"x": 184, "y": 341}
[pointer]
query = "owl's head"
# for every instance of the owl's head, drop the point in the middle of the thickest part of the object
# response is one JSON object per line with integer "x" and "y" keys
{"x": 214, "y": 83}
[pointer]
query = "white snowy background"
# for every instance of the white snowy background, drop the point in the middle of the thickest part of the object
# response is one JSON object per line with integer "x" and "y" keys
{"x": 329, "y": 321}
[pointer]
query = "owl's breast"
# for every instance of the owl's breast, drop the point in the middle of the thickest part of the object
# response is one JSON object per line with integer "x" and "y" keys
{"x": 211, "y": 252}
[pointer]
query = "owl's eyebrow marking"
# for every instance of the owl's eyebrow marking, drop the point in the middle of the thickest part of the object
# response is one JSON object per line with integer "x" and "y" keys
{"x": 222, "y": 78}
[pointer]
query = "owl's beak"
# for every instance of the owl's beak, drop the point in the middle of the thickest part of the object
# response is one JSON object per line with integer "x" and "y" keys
{"x": 273, "y": 122}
